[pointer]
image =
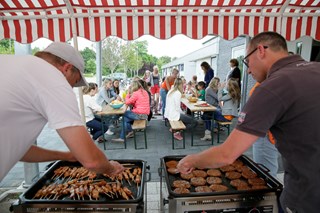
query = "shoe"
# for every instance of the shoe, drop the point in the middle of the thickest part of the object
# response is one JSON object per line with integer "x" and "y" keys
{"x": 129, "y": 135}
{"x": 118, "y": 140}
{"x": 109, "y": 132}
{"x": 100, "y": 139}
{"x": 178, "y": 136}
{"x": 207, "y": 136}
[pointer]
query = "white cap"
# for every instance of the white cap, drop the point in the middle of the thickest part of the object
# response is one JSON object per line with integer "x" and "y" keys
{"x": 71, "y": 55}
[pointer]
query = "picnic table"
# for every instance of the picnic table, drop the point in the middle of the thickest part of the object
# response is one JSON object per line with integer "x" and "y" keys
{"x": 106, "y": 113}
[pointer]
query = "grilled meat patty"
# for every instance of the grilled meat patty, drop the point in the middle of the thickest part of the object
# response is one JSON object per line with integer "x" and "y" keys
{"x": 181, "y": 184}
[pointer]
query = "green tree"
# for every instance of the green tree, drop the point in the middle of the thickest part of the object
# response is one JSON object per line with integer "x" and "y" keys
{"x": 129, "y": 57}
{"x": 89, "y": 57}
{"x": 163, "y": 60}
{"x": 6, "y": 46}
{"x": 90, "y": 66}
{"x": 34, "y": 50}
{"x": 111, "y": 53}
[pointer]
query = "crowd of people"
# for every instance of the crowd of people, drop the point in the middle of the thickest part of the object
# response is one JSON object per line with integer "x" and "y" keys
{"x": 224, "y": 96}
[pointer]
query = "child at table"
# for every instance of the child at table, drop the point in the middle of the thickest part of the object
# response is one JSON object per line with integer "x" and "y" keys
{"x": 173, "y": 111}
{"x": 90, "y": 108}
{"x": 201, "y": 91}
{"x": 138, "y": 99}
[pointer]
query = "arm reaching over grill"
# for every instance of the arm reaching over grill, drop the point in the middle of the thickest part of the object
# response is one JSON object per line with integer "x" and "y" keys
{"x": 38, "y": 154}
{"x": 86, "y": 152}
{"x": 218, "y": 156}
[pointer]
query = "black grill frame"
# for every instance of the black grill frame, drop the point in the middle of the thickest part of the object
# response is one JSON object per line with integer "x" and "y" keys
{"x": 26, "y": 197}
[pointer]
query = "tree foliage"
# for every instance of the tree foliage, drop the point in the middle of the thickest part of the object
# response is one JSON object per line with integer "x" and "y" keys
{"x": 130, "y": 57}
{"x": 89, "y": 56}
{"x": 6, "y": 46}
{"x": 111, "y": 53}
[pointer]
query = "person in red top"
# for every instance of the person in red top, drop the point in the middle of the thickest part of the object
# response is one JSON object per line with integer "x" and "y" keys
{"x": 166, "y": 86}
{"x": 138, "y": 99}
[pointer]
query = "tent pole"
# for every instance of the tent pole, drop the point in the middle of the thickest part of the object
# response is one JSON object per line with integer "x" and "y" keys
{"x": 98, "y": 63}
{"x": 75, "y": 43}
{"x": 245, "y": 80}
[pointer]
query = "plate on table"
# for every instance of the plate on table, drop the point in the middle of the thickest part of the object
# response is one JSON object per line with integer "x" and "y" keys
{"x": 202, "y": 105}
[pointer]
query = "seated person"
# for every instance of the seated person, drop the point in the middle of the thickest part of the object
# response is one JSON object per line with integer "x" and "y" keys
{"x": 116, "y": 86}
{"x": 173, "y": 111}
{"x": 212, "y": 99}
{"x": 105, "y": 96}
{"x": 201, "y": 91}
{"x": 90, "y": 108}
{"x": 106, "y": 93}
{"x": 229, "y": 102}
{"x": 138, "y": 99}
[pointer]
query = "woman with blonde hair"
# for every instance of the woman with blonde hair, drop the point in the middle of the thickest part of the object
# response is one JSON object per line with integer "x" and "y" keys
{"x": 173, "y": 111}
{"x": 230, "y": 101}
{"x": 211, "y": 98}
{"x": 106, "y": 93}
{"x": 147, "y": 76}
{"x": 138, "y": 99}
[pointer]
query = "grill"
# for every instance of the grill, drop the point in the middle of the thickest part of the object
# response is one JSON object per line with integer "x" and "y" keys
{"x": 232, "y": 200}
{"x": 106, "y": 202}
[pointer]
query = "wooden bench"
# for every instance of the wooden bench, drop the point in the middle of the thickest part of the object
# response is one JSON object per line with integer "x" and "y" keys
{"x": 222, "y": 124}
{"x": 175, "y": 127}
{"x": 139, "y": 125}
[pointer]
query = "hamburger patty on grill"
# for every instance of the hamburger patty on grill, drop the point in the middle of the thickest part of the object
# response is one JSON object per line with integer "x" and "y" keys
{"x": 181, "y": 191}
{"x": 203, "y": 189}
{"x": 233, "y": 175}
{"x": 199, "y": 173}
{"x": 181, "y": 184}
{"x": 214, "y": 180}
{"x": 186, "y": 176}
{"x": 172, "y": 164}
{"x": 218, "y": 187}
{"x": 198, "y": 181}
{"x": 214, "y": 172}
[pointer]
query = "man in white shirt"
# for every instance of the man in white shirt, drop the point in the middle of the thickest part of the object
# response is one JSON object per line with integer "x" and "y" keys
{"x": 37, "y": 90}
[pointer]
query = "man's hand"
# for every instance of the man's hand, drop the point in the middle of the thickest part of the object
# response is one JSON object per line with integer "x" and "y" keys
{"x": 117, "y": 168}
{"x": 185, "y": 165}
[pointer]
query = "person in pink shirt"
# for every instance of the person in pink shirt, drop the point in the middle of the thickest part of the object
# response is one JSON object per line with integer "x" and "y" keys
{"x": 138, "y": 100}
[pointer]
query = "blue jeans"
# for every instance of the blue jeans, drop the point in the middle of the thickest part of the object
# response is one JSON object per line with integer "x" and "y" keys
{"x": 128, "y": 118}
{"x": 96, "y": 126}
{"x": 207, "y": 117}
{"x": 163, "y": 95}
{"x": 265, "y": 153}
{"x": 219, "y": 117}
{"x": 188, "y": 121}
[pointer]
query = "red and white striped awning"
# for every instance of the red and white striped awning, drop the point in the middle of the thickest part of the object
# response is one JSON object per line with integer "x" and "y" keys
{"x": 60, "y": 20}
